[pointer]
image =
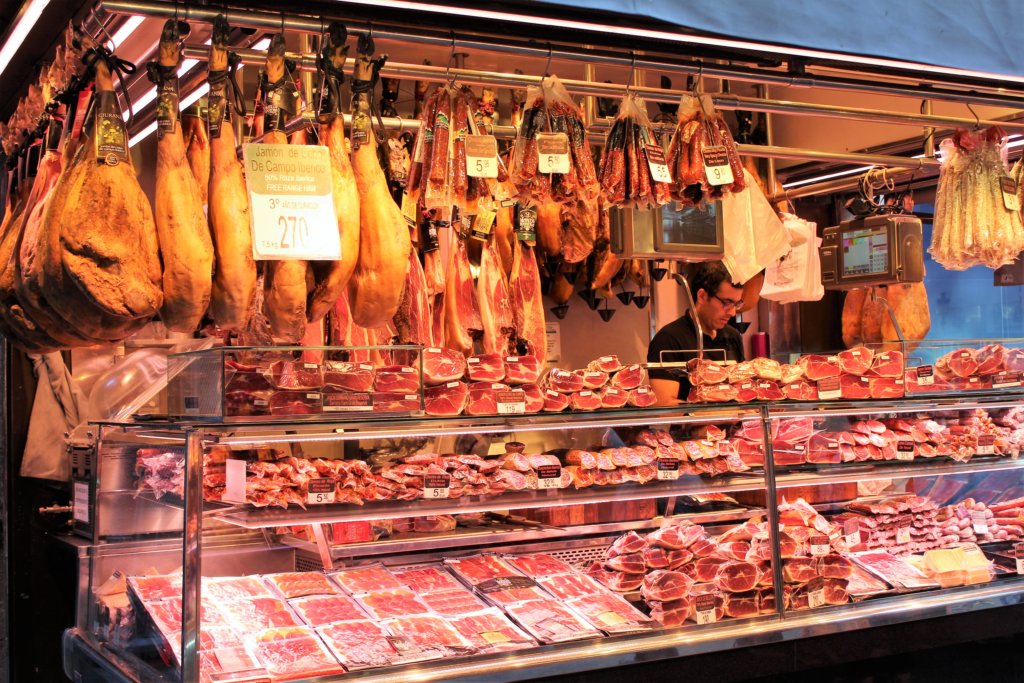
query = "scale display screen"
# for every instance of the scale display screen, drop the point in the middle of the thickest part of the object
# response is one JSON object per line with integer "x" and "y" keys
{"x": 690, "y": 226}
{"x": 865, "y": 252}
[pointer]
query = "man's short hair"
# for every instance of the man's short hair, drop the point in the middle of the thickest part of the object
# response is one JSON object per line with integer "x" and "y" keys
{"x": 709, "y": 276}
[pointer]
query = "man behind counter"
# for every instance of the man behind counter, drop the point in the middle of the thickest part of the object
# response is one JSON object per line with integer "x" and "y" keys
{"x": 716, "y": 300}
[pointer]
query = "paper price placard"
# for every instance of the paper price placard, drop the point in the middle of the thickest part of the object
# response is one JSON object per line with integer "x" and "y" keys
{"x": 320, "y": 491}
{"x": 481, "y": 156}
{"x": 553, "y": 149}
{"x": 716, "y": 165}
{"x": 292, "y": 213}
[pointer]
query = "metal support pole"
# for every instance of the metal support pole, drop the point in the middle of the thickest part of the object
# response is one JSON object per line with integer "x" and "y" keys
{"x": 771, "y": 182}
{"x": 191, "y": 559}
{"x": 772, "y": 506}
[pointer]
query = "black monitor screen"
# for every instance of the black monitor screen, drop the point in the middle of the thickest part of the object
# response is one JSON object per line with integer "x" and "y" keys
{"x": 865, "y": 252}
{"x": 690, "y": 226}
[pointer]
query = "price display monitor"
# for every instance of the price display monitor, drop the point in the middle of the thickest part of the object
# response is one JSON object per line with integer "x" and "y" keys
{"x": 877, "y": 250}
{"x": 692, "y": 234}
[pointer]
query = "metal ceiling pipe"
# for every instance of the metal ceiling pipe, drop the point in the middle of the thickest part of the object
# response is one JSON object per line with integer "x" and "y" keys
{"x": 978, "y": 93}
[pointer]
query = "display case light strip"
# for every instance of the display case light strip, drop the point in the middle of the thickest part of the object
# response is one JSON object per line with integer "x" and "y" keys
{"x": 127, "y": 28}
{"x": 28, "y": 16}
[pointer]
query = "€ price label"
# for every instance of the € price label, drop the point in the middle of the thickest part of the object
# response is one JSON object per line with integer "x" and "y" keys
{"x": 511, "y": 402}
{"x": 903, "y": 530}
{"x": 481, "y": 156}
{"x": 820, "y": 545}
{"x": 668, "y": 469}
{"x": 986, "y": 444}
{"x": 704, "y": 609}
{"x": 553, "y": 151}
{"x": 549, "y": 477}
{"x": 829, "y": 389}
{"x": 851, "y": 531}
{"x": 905, "y": 450}
{"x": 1019, "y": 553}
{"x": 979, "y": 522}
{"x": 436, "y": 486}
{"x": 1010, "y": 198}
{"x": 716, "y": 165}
{"x": 816, "y": 593}
{"x": 320, "y": 491}
{"x": 926, "y": 376}
{"x": 658, "y": 165}
{"x": 292, "y": 213}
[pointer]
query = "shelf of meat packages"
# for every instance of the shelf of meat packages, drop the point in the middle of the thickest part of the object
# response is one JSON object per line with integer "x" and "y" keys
{"x": 941, "y": 367}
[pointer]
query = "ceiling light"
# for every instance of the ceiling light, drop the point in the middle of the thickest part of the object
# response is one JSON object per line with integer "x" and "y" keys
{"x": 827, "y": 176}
{"x": 142, "y": 134}
{"x": 127, "y": 28}
{"x": 26, "y": 19}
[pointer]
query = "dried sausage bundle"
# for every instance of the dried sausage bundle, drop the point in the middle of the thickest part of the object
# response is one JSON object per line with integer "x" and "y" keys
{"x": 701, "y": 134}
{"x": 549, "y": 115}
{"x": 633, "y": 161}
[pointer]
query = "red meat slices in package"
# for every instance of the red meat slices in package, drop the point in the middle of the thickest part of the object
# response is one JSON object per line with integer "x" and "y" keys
{"x": 490, "y": 631}
{"x": 300, "y": 584}
{"x": 360, "y": 644}
{"x": 856, "y": 361}
{"x": 819, "y": 367}
{"x": 1013, "y": 360}
{"x": 367, "y": 579}
{"x": 741, "y": 605}
{"x": 401, "y": 379}
{"x": 248, "y": 614}
{"x": 665, "y": 585}
{"x": 326, "y": 609}
{"x": 611, "y": 613}
{"x": 454, "y": 601}
{"x": 296, "y": 375}
{"x": 887, "y": 364}
{"x": 961, "y": 363}
{"x": 446, "y": 400}
{"x": 642, "y": 397}
{"x": 522, "y": 370}
{"x": 676, "y": 536}
{"x": 737, "y": 577}
{"x": 569, "y": 586}
{"x": 539, "y": 564}
{"x": 488, "y": 367}
{"x": 441, "y": 366}
{"x": 509, "y": 590}
{"x": 233, "y": 588}
{"x": 427, "y": 579}
{"x": 150, "y": 588}
{"x": 627, "y": 543}
{"x": 605, "y": 364}
{"x": 348, "y": 376}
{"x": 629, "y": 377}
{"x": 673, "y": 613}
{"x": 549, "y": 621}
{"x": 706, "y": 372}
{"x": 427, "y": 632}
{"x": 479, "y": 568}
{"x": 391, "y": 603}
{"x": 294, "y": 652}
{"x": 617, "y": 581}
{"x": 230, "y": 663}
{"x": 793, "y": 430}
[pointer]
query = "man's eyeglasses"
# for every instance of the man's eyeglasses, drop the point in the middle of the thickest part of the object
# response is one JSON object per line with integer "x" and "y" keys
{"x": 729, "y": 304}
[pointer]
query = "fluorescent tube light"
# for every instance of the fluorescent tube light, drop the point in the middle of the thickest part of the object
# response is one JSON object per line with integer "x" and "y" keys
{"x": 27, "y": 18}
{"x": 127, "y": 28}
{"x": 827, "y": 176}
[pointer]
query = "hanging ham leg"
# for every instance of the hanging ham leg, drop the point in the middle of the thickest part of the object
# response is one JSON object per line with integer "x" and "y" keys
{"x": 527, "y": 304}
{"x": 197, "y": 149}
{"x": 461, "y": 310}
{"x": 412, "y": 320}
{"x": 234, "y": 281}
{"x": 185, "y": 244}
{"x": 433, "y": 270}
{"x": 495, "y": 303}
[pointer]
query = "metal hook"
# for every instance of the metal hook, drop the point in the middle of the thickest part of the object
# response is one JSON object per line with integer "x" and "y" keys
{"x": 977, "y": 119}
{"x": 547, "y": 66}
{"x": 448, "y": 68}
{"x": 632, "y": 72}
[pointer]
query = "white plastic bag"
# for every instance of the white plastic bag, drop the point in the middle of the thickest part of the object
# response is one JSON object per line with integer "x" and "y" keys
{"x": 796, "y": 276}
{"x": 754, "y": 235}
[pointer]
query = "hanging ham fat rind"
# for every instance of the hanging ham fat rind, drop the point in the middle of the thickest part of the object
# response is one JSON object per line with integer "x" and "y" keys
{"x": 234, "y": 281}
{"x": 495, "y": 304}
{"x": 527, "y": 303}
{"x": 331, "y": 277}
{"x": 185, "y": 243}
{"x": 699, "y": 127}
{"x": 197, "y": 149}
{"x": 626, "y": 174}
{"x": 972, "y": 224}
{"x": 375, "y": 288}
{"x": 100, "y": 256}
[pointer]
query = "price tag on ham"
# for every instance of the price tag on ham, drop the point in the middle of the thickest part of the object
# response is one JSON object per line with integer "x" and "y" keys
{"x": 905, "y": 450}
{"x": 986, "y": 444}
{"x": 851, "y": 532}
{"x": 819, "y": 545}
{"x": 481, "y": 156}
{"x": 668, "y": 469}
{"x": 926, "y": 376}
{"x": 816, "y": 593}
{"x": 716, "y": 165}
{"x": 320, "y": 491}
{"x": 1019, "y": 554}
{"x": 828, "y": 389}
{"x": 80, "y": 508}
{"x": 234, "y": 480}
{"x": 659, "y": 168}
{"x": 436, "y": 486}
{"x": 1005, "y": 380}
{"x": 292, "y": 204}
{"x": 348, "y": 401}
{"x": 511, "y": 402}
{"x": 903, "y": 535}
{"x": 979, "y": 522}
{"x": 704, "y": 609}
{"x": 549, "y": 477}
{"x": 553, "y": 151}
{"x": 1010, "y": 199}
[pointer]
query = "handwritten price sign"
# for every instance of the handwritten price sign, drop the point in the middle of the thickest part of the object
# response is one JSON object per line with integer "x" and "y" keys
{"x": 292, "y": 205}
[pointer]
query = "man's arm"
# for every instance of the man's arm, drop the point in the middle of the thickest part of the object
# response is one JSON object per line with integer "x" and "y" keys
{"x": 667, "y": 391}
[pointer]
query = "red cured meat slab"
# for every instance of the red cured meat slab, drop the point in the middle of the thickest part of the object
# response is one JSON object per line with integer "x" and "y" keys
{"x": 593, "y": 379}
{"x": 245, "y": 403}
{"x": 391, "y": 603}
{"x": 887, "y": 364}
{"x": 360, "y": 644}
{"x": 295, "y": 403}
{"x": 534, "y": 397}
{"x": 629, "y": 377}
{"x": 395, "y": 402}
{"x": 245, "y": 378}
{"x": 746, "y": 391}
{"x": 446, "y": 400}
{"x": 488, "y": 367}
{"x": 793, "y": 430}
{"x": 819, "y": 367}
{"x": 450, "y": 602}
{"x": 856, "y": 361}
{"x": 606, "y": 364}
{"x": 348, "y": 376}
{"x": 289, "y": 653}
{"x": 614, "y": 398}
{"x": 569, "y": 586}
{"x": 671, "y": 614}
{"x": 664, "y": 585}
{"x": 767, "y": 390}
{"x": 150, "y": 588}
{"x": 585, "y": 401}
{"x": 554, "y": 401}
{"x": 300, "y": 584}
{"x": 429, "y": 632}
{"x": 490, "y": 631}
{"x": 885, "y": 387}
{"x": 563, "y": 381}
{"x": 522, "y": 370}
{"x": 427, "y": 579}
{"x": 510, "y": 596}
{"x": 801, "y": 390}
{"x": 1014, "y": 360}
{"x": 611, "y": 613}
{"x": 643, "y": 397}
{"x": 852, "y": 387}
{"x": 704, "y": 372}
{"x": 233, "y": 588}
{"x": 737, "y": 577}
{"x": 249, "y": 614}
{"x": 483, "y": 398}
{"x": 441, "y": 366}
{"x": 367, "y": 579}
{"x": 539, "y": 564}
{"x": 549, "y": 621}
{"x": 326, "y": 609}
{"x": 479, "y": 568}
{"x": 400, "y": 379}
{"x": 296, "y": 375}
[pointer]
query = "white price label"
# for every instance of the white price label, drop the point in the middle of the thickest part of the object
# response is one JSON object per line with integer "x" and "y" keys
{"x": 320, "y": 491}
{"x": 816, "y": 598}
{"x": 481, "y": 156}
{"x": 436, "y": 486}
{"x": 80, "y": 507}
{"x": 986, "y": 445}
{"x": 292, "y": 204}
{"x": 925, "y": 376}
{"x": 905, "y": 450}
{"x": 668, "y": 469}
{"x": 705, "y": 611}
{"x": 903, "y": 531}
{"x": 553, "y": 152}
{"x": 234, "y": 480}
{"x": 851, "y": 532}
{"x": 659, "y": 167}
{"x": 511, "y": 402}
{"x": 716, "y": 165}
{"x": 549, "y": 477}
{"x": 1019, "y": 552}
{"x": 979, "y": 522}
{"x": 819, "y": 546}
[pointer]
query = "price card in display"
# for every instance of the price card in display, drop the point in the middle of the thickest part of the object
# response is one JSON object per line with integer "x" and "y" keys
{"x": 549, "y": 477}
{"x": 906, "y": 523}
{"x": 816, "y": 593}
{"x": 905, "y": 450}
{"x": 668, "y": 469}
{"x": 436, "y": 486}
{"x": 716, "y": 165}
{"x": 851, "y": 532}
{"x": 986, "y": 444}
{"x": 1010, "y": 199}
{"x": 511, "y": 402}
{"x": 926, "y": 376}
{"x": 320, "y": 491}
{"x": 1019, "y": 553}
{"x": 659, "y": 167}
{"x": 481, "y": 156}
{"x": 553, "y": 149}
{"x": 979, "y": 522}
{"x": 820, "y": 545}
{"x": 705, "y": 608}
{"x": 234, "y": 480}
{"x": 292, "y": 213}
{"x": 828, "y": 389}
{"x": 80, "y": 505}
{"x": 409, "y": 209}
{"x": 1005, "y": 380}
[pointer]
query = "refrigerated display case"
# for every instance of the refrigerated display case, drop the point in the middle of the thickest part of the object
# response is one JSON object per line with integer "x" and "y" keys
{"x": 550, "y": 544}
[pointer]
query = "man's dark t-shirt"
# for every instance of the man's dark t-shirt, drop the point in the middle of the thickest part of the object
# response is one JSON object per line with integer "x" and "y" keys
{"x": 682, "y": 334}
